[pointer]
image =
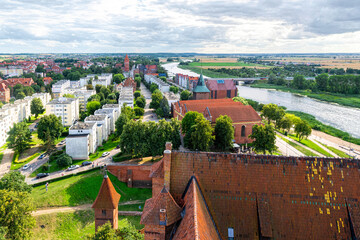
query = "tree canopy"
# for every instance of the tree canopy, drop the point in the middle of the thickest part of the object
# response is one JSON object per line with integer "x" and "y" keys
{"x": 36, "y": 107}
{"x": 14, "y": 181}
{"x": 185, "y": 95}
{"x": 19, "y": 137}
{"x": 302, "y": 129}
{"x": 50, "y": 128}
{"x": 224, "y": 133}
{"x": 92, "y": 106}
{"x": 201, "y": 134}
{"x": 265, "y": 137}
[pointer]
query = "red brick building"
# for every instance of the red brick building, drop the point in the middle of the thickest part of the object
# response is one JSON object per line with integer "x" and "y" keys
{"x": 126, "y": 64}
{"x": 129, "y": 82}
{"x": 106, "y": 205}
{"x": 221, "y": 88}
{"x": 47, "y": 80}
{"x": 4, "y": 93}
{"x": 243, "y": 117}
{"x": 241, "y": 196}
{"x": 201, "y": 91}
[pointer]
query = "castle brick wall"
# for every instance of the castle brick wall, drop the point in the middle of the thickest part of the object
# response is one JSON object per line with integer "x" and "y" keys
{"x": 135, "y": 176}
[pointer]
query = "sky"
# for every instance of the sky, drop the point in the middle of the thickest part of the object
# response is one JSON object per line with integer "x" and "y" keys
{"x": 202, "y": 26}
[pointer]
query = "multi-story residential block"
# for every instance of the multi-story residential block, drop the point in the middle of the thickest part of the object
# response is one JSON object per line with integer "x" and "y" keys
{"x": 4, "y": 93}
{"x": 102, "y": 121}
{"x": 83, "y": 96}
{"x": 126, "y": 97}
{"x": 116, "y": 107}
{"x": 163, "y": 87}
{"x": 58, "y": 89}
{"x": 66, "y": 108}
{"x": 111, "y": 113}
{"x": 104, "y": 79}
{"x": 5, "y": 125}
{"x": 81, "y": 140}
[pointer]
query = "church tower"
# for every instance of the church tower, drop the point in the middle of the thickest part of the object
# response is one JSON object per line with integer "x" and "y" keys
{"x": 106, "y": 205}
{"x": 201, "y": 91}
{"x": 126, "y": 64}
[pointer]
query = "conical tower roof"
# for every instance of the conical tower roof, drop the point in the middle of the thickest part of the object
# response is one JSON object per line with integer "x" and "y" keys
{"x": 201, "y": 86}
{"x": 107, "y": 198}
{"x": 126, "y": 58}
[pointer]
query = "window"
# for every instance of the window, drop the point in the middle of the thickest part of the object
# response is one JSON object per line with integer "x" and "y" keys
{"x": 215, "y": 94}
{"x": 103, "y": 212}
{"x": 228, "y": 93}
{"x": 243, "y": 131}
{"x": 231, "y": 233}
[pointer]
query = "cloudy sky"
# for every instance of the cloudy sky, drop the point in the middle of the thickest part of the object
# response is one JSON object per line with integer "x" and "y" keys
{"x": 203, "y": 26}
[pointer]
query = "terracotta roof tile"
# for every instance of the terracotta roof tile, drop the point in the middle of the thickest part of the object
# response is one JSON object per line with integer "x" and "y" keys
{"x": 107, "y": 198}
{"x": 164, "y": 200}
{"x": 216, "y": 85}
{"x": 157, "y": 170}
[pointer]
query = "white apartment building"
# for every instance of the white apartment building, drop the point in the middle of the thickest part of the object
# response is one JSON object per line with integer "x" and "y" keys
{"x": 83, "y": 96}
{"x": 163, "y": 86}
{"x": 4, "y": 128}
{"x": 126, "y": 97}
{"x": 103, "y": 121}
{"x": 59, "y": 87}
{"x": 104, "y": 79}
{"x": 82, "y": 140}
{"x": 116, "y": 107}
{"x": 66, "y": 108}
{"x": 111, "y": 114}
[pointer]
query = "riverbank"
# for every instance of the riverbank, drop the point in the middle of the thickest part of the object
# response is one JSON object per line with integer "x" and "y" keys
{"x": 206, "y": 72}
{"x": 341, "y": 99}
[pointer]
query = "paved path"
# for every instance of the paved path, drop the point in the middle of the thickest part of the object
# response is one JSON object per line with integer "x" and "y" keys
{"x": 6, "y": 161}
{"x": 286, "y": 149}
{"x": 77, "y": 208}
{"x": 149, "y": 115}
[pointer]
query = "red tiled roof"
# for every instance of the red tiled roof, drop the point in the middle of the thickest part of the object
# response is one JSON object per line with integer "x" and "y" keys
{"x": 107, "y": 198}
{"x": 22, "y": 81}
{"x": 239, "y": 113}
{"x": 214, "y": 85}
{"x": 200, "y": 105}
{"x": 197, "y": 222}
{"x": 164, "y": 200}
{"x": 3, "y": 87}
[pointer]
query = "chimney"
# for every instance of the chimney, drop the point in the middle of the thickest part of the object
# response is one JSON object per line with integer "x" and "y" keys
{"x": 162, "y": 217}
{"x": 167, "y": 165}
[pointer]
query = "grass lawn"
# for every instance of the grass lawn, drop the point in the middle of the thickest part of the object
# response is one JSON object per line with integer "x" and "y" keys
{"x": 224, "y": 64}
{"x": 82, "y": 189}
{"x": 311, "y": 145}
{"x": 207, "y": 72}
{"x": 75, "y": 225}
{"x": 299, "y": 148}
{"x": 337, "y": 151}
{"x": 110, "y": 144}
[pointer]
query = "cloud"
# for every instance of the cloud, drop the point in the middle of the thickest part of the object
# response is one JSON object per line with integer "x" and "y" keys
{"x": 179, "y": 26}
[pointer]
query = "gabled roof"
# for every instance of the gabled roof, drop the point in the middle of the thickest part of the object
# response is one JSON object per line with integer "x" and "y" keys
{"x": 216, "y": 85}
{"x": 240, "y": 113}
{"x": 201, "y": 86}
{"x": 197, "y": 222}
{"x": 107, "y": 198}
{"x": 164, "y": 200}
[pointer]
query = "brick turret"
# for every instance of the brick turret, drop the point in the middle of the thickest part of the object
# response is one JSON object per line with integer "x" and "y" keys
{"x": 126, "y": 64}
{"x": 106, "y": 204}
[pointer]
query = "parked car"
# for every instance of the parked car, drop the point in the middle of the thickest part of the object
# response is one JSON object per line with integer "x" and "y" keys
{"x": 86, "y": 163}
{"x": 62, "y": 142}
{"x": 105, "y": 154}
{"x": 42, "y": 156}
{"x": 26, "y": 166}
{"x": 41, "y": 175}
{"x": 73, "y": 167}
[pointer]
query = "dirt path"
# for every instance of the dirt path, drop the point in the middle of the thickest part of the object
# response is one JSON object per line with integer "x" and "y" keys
{"x": 84, "y": 207}
{"x": 6, "y": 161}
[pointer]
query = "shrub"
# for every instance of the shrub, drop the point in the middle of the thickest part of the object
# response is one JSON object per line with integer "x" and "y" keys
{"x": 139, "y": 111}
{"x": 64, "y": 160}
{"x": 137, "y": 94}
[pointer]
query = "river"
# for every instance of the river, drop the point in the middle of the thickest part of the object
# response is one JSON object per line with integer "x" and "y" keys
{"x": 344, "y": 118}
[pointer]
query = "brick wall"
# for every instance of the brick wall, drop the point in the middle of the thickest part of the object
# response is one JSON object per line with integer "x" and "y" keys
{"x": 111, "y": 215}
{"x": 222, "y": 94}
{"x": 135, "y": 176}
{"x": 306, "y": 198}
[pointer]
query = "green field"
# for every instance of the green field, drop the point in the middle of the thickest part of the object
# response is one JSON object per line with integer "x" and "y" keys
{"x": 224, "y": 64}
{"x": 342, "y": 99}
{"x": 311, "y": 145}
{"x": 75, "y": 225}
{"x": 299, "y": 148}
{"x": 206, "y": 72}
{"x": 83, "y": 189}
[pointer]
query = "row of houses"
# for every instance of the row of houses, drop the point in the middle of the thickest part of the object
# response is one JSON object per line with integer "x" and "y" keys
{"x": 17, "y": 112}
{"x": 186, "y": 81}
{"x": 163, "y": 87}
{"x": 85, "y": 137}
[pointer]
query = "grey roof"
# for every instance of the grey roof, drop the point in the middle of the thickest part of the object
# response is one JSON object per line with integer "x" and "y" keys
{"x": 82, "y": 126}
{"x": 111, "y": 106}
{"x": 106, "y": 110}
{"x": 62, "y": 100}
{"x": 96, "y": 117}
{"x": 78, "y": 135}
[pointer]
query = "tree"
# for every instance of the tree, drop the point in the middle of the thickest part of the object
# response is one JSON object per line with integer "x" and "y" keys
{"x": 285, "y": 123}
{"x": 92, "y": 106}
{"x": 139, "y": 111}
{"x": 322, "y": 81}
{"x": 174, "y": 89}
{"x": 272, "y": 78}
{"x": 302, "y": 129}
{"x": 140, "y": 102}
{"x": 14, "y": 181}
{"x": 106, "y": 232}
{"x": 97, "y": 87}
{"x": 224, "y": 133}
{"x": 185, "y": 95}
{"x": 175, "y": 133}
{"x": 120, "y": 123}
{"x": 153, "y": 87}
{"x": 63, "y": 160}
{"x": 165, "y": 108}
{"x": 240, "y": 99}
{"x": 36, "y": 107}
{"x": 265, "y": 137}
{"x": 273, "y": 113}
{"x": 20, "y": 95}
{"x": 201, "y": 134}
{"x": 15, "y": 214}
{"x": 118, "y": 78}
{"x": 299, "y": 82}
{"x": 50, "y": 128}
{"x": 104, "y": 90}
{"x": 156, "y": 97}
{"x": 137, "y": 94}
{"x": 19, "y": 137}
{"x": 188, "y": 121}
{"x": 68, "y": 95}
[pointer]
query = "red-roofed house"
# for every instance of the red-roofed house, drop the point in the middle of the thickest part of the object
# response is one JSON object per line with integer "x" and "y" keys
{"x": 243, "y": 117}
{"x": 22, "y": 81}
{"x": 221, "y": 88}
{"x": 106, "y": 204}
{"x": 4, "y": 93}
{"x": 47, "y": 80}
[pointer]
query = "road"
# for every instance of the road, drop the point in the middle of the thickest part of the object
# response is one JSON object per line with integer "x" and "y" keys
{"x": 286, "y": 149}
{"x": 102, "y": 161}
{"x": 149, "y": 115}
